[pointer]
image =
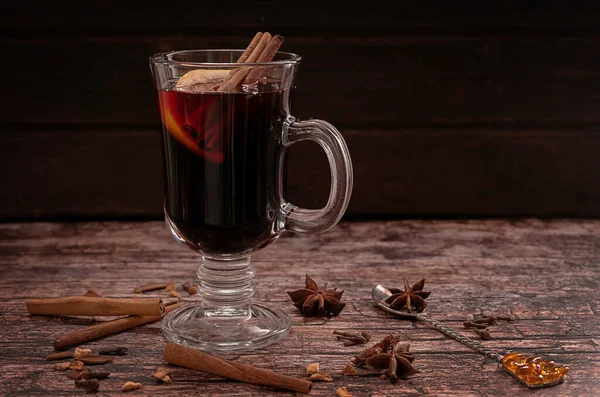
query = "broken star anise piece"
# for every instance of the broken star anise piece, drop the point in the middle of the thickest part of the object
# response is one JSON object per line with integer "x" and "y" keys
{"x": 409, "y": 299}
{"x": 390, "y": 354}
{"x": 315, "y": 301}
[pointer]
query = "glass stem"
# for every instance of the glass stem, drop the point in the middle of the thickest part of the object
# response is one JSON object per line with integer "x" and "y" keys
{"x": 226, "y": 287}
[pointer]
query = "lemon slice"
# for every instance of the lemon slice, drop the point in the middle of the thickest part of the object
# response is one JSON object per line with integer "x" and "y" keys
{"x": 203, "y": 77}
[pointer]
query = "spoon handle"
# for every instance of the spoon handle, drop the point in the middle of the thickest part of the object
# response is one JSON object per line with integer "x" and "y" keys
{"x": 473, "y": 344}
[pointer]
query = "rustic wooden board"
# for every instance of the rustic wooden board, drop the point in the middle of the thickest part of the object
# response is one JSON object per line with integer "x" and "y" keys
{"x": 106, "y": 173}
{"x": 543, "y": 272}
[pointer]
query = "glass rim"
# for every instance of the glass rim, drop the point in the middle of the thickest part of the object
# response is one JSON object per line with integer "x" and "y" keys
{"x": 165, "y": 58}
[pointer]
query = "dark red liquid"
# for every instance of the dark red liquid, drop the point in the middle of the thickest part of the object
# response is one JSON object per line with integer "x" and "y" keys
{"x": 221, "y": 157}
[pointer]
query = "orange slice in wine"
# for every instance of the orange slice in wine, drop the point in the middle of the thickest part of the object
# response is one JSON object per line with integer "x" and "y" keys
{"x": 173, "y": 120}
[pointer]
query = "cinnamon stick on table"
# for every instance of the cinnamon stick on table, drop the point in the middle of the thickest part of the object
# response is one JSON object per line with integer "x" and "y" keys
{"x": 95, "y": 306}
{"x": 150, "y": 287}
{"x": 107, "y": 328}
{"x": 195, "y": 359}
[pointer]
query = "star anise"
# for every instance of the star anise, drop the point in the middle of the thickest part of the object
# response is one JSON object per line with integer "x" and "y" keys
{"x": 315, "y": 301}
{"x": 409, "y": 299}
{"x": 390, "y": 354}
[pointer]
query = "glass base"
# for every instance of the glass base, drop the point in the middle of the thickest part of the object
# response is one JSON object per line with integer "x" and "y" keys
{"x": 190, "y": 326}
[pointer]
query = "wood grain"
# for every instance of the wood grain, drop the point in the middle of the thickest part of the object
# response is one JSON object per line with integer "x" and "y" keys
{"x": 542, "y": 272}
{"x": 350, "y": 80}
{"x": 105, "y": 173}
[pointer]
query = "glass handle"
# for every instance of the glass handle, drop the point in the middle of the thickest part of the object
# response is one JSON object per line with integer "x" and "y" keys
{"x": 302, "y": 220}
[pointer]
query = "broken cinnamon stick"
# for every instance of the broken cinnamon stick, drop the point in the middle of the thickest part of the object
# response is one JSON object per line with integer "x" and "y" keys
{"x": 94, "y": 306}
{"x": 108, "y": 328}
{"x": 88, "y": 384}
{"x": 150, "y": 287}
{"x": 59, "y": 356}
{"x": 195, "y": 359}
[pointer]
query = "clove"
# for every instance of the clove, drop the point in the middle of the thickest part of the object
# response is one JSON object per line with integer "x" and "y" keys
{"x": 352, "y": 338}
{"x": 95, "y": 375}
{"x": 472, "y": 324}
{"x": 112, "y": 351}
{"x": 88, "y": 384}
{"x": 59, "y": 356}
{"x": 483, "y": 333}
{"x": 74, "y": 375}
{"x": 96, "y": 360}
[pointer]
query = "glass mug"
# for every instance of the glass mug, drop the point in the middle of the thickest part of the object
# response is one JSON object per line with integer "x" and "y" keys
{"x": 224, "y": 182}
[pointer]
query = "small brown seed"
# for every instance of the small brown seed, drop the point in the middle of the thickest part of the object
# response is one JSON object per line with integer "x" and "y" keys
{"x": 88, "y": 384}
{"x": 320, "y": 377}
{"x": 80, "y": 353}
{"x": 349, "y": 370}
{"x": 77, "y": 366}
{"x": 170, "y": 287}
{"x": 162, "y": 374}
{"x": 312, "y": 368}
{"x": 174, "y": 294}
{"x": 190, "y": 289}
{"x": 129, "y": 386}
{"x": 62, "y": 366}
{"x": 342, "y": 392}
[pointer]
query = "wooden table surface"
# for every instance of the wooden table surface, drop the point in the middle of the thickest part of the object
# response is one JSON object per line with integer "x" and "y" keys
{"x": 545, "y": 273}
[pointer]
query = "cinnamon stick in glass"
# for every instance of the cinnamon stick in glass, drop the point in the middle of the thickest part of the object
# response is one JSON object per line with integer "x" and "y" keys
{"x": 108, "y": 328}
{"x": 260, "y": 54}
{"x": 195, "y": 359}
{"x": 95, "y": 306}
{"x": 267, "y": 56}
{"x": 248, "y": 51}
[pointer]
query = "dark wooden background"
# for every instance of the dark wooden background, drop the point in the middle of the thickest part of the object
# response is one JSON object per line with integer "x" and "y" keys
{"x": 450, "y": 108}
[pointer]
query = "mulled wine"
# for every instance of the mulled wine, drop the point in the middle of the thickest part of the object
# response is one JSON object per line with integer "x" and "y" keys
{"x": 221, "y": 152}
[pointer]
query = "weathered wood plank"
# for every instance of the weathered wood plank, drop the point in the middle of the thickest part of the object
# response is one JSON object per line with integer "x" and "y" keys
{"x": 106, "y": 173}
{"x": 543, "y": 272}
{"x": 354, "y": 80}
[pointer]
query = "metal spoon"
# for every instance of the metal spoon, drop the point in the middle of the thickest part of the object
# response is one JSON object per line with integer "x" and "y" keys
{"x": 381, "y": 293}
